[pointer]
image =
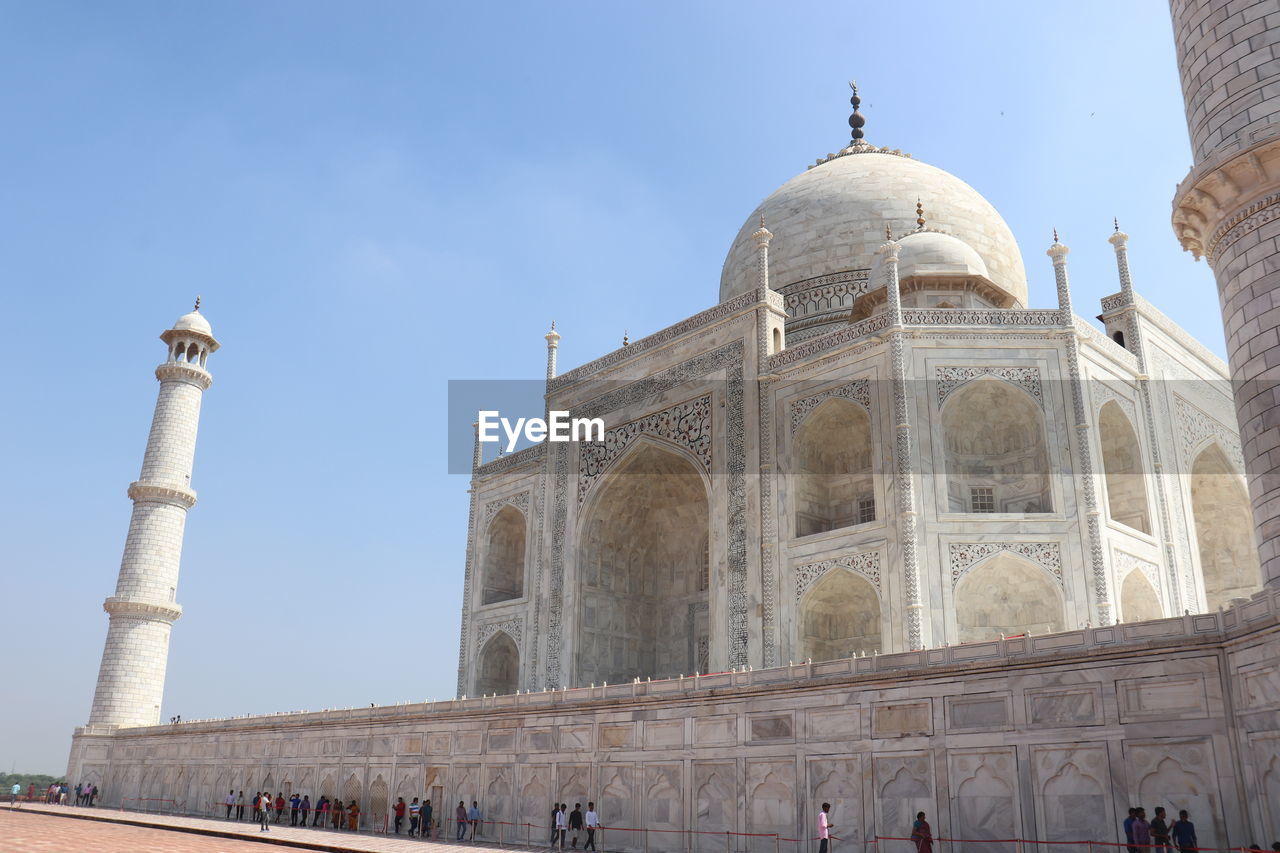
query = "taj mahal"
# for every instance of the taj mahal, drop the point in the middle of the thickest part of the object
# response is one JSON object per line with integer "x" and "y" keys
{"x": 870, "y": 529}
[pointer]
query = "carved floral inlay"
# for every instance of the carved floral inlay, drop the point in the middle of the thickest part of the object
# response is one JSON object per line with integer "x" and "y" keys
{"x": 858, "y": 391}
{"x": 1125, "y": 563}
{"x": 1195, "y": 427}
{"x": 687, "y": 424}
{"x": 963, "y": 556}
{"x": 513, "y": 628}
{"x": 520, "y": 501}
{"x": 866, "y": 564}
{"x": 949, "y": 378}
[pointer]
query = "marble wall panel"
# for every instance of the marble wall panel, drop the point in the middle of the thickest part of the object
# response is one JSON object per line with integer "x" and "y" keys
{"x": 1078, "y": 705}
{"x": 1162, "y": 697}
{"x": 837, "y": 781}
{"x": 1178, "y": 774}
{"x": 979, "y": 712}
{"x": 903, "y": 786}
{"x": 715, "y": 802}
{"x": 719, "y": 730}
{"x": 984, "y": 798}
{"x": 900, "y": 719}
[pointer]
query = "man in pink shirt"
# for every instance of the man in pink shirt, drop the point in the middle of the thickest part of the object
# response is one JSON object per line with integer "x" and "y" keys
{"x": 824, "y": 828}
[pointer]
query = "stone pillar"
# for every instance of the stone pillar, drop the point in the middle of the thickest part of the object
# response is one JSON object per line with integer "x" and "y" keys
{"x": 904, "y": 476}
{"x": 1228, "y": 211}
{"x": 144, "y": 608}
{"x": 1103, "y": 611}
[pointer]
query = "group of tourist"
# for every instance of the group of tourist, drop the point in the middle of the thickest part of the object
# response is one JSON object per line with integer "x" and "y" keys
{"x": 56, "y": 794}
{"x": 570, "y": 824}
{"x": 324, "y": 814}
{"x": 1139, "y": 833}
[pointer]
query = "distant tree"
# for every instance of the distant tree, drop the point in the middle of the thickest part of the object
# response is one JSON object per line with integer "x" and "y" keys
{"x": 40, "y": 780}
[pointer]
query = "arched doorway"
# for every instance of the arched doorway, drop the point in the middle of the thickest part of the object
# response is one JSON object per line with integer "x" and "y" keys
{"x": 503, "y": 573}
{"x": 643, "y": 605}
{"x": 839, "y": 617}
{"x": 997, "y": 458}
{"x": 498, "y": 670}
{"x": 1007, "y": 595}
{"x": 1122, "y": 469}
{"x": 834, "y": 485}
{"x": 1224, "y": 529}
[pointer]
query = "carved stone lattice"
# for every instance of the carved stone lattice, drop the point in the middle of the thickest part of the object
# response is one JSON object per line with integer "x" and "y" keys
{"x": 949, "y": 378}
{"x": 519, "y": 501}
{"x": 513, "y": 628}
{"x": 686, "y": 424}
{"x": 963, "y": 556}
{"x": 858, "y": 391}
{"x": 866, "y": 564}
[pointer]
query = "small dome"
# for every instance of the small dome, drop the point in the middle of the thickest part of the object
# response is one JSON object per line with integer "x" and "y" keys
{"x": 931, "y": 253}
{"x": 193, "y": 322}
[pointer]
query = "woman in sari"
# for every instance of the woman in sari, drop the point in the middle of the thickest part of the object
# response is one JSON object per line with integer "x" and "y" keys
{"x": 922, "y": 834}
{"x": 353, "y": 816}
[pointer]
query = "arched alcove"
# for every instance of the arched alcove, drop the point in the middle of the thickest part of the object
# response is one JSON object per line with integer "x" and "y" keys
{"x": 643, "y": 608}
{"x": 498, "y": 668}
{"x": 1007, "y": 595}
{"x": 839, "y": 617}
{"x": 1122, "y": 468}
{"x": 1224, "y": 529}
{"x": 503, "y": 574}
{"x": 1139, "y": 601}
{"x": 378, "y": 801}
{"x": 834, "y": 485}
{"x": 997, "y": 457}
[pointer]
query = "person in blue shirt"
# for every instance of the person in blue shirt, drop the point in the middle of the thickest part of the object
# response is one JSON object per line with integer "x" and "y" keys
{"x": 1128, "y": 828}
{"x": 1184, "y": 833}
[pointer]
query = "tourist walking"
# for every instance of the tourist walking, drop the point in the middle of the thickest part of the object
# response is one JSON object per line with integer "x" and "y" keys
{"x": 593, "y": 823}
{"x": 279, "y": 805}
{"x": 562, "y": 824}
{"x": 555, "y": 824}
{"x": 264, "y": 813}
{"x": 1184, "y": 833}
{"x": 322, "y": 812}
{"x": 922, "y": 834}
{"x": 473, "y": 818}
{"x": 824, "y": 828}
{"x": 415, "y": 812}
{"x": 17, "y": 789}
{"x": 353, "y": 816}
{"x": 93, "y": 794}
{"x": 295, "y": 805}
{"x": 428, "y": 822}
{"x": 1141, "y": 830}
{"x": 305, "y": 808}
{"x": 257, "y": 805}
{"x": 240, "y": 806}
{"x": 1160, "y": 832}
{"x": 230, "y": 802}
{"x": 575, "y": 823}
{"x": 460, "y": 815}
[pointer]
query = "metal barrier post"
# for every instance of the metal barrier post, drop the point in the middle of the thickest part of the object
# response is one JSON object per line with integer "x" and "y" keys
{"x": 775, "y": 842}
{"x": 646, "y": 839}
{"x": 727, "y": 848}
{"x": 500, "y": 825}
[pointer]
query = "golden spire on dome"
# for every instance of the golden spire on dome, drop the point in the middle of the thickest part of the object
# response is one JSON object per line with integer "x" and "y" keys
{"x": 919, "y": 215}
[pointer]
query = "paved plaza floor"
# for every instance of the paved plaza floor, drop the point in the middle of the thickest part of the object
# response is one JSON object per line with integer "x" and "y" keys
{"x": 67, "y": 829}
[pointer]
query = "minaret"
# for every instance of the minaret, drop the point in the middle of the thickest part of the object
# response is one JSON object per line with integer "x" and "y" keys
{"x": 1225, "y": 211}
{"x": 143, "y": 609}
{"x": 553, "y": 344}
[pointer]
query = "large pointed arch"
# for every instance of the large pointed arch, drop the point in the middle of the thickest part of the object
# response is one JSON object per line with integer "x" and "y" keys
{"x": 502, "y": 575}
{"x": 1007, "y": 595}
{"x": 640, "y": 568}
{"x": 1224, "y": 529}
{"x": 833, "y": 484}
{"x": 840, "y": 617}
{"x": 1139, "y": 600}
{"x": 1122, "y": 469}
{"x": 995, "y": 449}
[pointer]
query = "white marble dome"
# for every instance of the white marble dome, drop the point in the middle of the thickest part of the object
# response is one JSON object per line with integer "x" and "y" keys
{"x": 193, "y": 322}
{"x": 831, "y": 219}
{"x": 931, "y": 253}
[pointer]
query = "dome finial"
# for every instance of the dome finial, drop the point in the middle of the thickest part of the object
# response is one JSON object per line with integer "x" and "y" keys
{"x": 625, "y": 340}
{"x": 919, "y": 215}
{"x": 1116, "y": 221}
{"x": 1055, "y": 235}
{"x": 197, "y": 308}
{"x": 888, "y": 234}
{"x": 856, "y": 121}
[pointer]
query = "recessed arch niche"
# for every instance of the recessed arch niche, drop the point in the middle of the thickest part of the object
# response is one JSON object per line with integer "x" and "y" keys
{"x": 503, "y": 572}
{"x": 1139, "y": 601}
{"x": 1224, "y": 529}
{"x": 1122, "y": 469}
{"x": 833, "y": 484}
{"x": 1006, "y": 595}
{"x": 498, "y": 666}
{"x": 839, "y": 617}
{"x": 643, "y": 607}
{"x": 996, "y": 453}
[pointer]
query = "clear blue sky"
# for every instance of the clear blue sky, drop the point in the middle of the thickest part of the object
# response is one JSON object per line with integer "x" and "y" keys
{"x": 374, "y": 199}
